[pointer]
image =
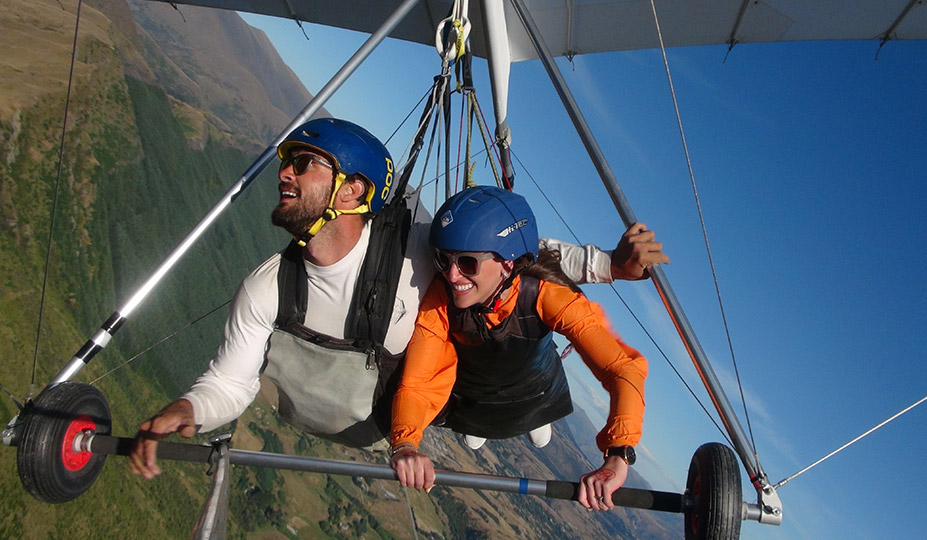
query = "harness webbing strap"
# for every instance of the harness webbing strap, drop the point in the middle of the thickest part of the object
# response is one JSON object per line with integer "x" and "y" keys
{"x": 292, "y": 286}
{"x": 375, "y": 291}
{"x": 378, "y": 282}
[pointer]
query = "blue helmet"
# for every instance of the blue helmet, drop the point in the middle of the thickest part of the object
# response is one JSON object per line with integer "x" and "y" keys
{"x": 353, "y": 151}
{"x": 486, "y": 218}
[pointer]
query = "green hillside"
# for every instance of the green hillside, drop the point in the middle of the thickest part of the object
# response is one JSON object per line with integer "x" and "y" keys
{"x": 150, "y": 146}
{"x": 130, "y": 188}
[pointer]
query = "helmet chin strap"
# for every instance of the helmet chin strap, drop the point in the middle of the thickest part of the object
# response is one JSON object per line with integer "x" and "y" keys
{"x": 492, "y": 304}
{"x": 330, "y": 213}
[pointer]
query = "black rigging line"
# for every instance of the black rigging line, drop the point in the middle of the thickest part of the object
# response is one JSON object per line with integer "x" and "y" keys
{"x": 51, "y": 228}
{"x": 627, "y": 307}
{"x": 177, "y": 9}
{"x": 414, "y": 108}
{"x": 7, "y": 392}
{"x": 701, "y": 217}
{"x": 296, "y": 19}
{"x": 162, "y": 340}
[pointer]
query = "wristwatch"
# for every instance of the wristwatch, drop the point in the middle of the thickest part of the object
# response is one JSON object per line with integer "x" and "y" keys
{"x": 625, "y": 452}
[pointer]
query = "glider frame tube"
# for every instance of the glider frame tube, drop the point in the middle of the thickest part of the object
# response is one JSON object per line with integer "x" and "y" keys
{"x": 105, "y": 333}
{"x": 627, "y": 497}
{"x": 772, "y": 509}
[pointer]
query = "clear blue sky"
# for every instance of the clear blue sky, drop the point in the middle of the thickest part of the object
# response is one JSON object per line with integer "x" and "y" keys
{"x": 811, "y": 166}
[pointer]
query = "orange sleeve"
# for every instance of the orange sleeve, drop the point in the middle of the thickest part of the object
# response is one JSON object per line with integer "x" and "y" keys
{"x": 619, "y": 367}
{"x": 430, "y": 370}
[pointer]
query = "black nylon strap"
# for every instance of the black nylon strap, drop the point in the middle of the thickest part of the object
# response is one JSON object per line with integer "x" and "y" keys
{"x": 292, "y": 287}
{"x": 375, "y": 292}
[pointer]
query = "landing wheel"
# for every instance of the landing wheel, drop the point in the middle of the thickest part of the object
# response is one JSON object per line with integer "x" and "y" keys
{"x": 714, "y": 488}
{"x": 49, "y": 468}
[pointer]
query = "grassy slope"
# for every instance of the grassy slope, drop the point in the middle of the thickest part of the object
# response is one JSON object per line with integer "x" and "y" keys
{"x": 130, "y": 189}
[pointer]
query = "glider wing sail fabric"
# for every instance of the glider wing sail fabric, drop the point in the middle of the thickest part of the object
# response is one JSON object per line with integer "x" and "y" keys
{"x": 586, "y": 26}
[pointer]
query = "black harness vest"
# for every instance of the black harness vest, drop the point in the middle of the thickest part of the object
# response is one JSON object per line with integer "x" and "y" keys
{"x": 510, "y": 379}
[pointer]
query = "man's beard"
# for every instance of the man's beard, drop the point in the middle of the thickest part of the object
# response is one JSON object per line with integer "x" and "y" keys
{"x": 295, "y": 219}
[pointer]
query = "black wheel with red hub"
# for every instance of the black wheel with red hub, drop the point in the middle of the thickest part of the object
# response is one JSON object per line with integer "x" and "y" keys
{"x": 713, "y": 487}
{"x": 49, "y": 466}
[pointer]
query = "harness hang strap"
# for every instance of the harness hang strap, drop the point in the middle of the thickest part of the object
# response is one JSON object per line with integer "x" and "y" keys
{"x": 292, "y": 286}
{"x": 375, "y": 293}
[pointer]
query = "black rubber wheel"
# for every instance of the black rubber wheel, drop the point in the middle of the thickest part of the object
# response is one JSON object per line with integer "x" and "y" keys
{"x": 49, "y": 468}
{"x": 714, "y": 488}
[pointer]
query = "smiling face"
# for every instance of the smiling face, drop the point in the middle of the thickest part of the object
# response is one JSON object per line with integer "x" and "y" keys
{"x": 303, "y": 197}
{"x": 479, "y": 288}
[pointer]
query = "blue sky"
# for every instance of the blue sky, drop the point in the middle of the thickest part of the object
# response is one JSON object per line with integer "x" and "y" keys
{"x": 811, "y": 166}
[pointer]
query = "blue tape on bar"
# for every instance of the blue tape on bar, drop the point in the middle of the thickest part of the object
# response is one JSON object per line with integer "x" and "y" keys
{"x": 523, "y": 486}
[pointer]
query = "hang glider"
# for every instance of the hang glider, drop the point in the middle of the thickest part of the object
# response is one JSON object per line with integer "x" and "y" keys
{"x": 572, "y": 27}
{"x": 552, "y": 28}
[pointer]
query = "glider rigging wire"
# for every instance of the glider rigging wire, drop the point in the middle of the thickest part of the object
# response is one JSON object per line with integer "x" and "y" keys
{"x": 701, "y": 217}
{"x": 712, "y": 264}
{"x": 51, "y": 227}
{"x": 406, "y": 119}
{"x": 471, "y": 110}
{"x": 162, "y": 340}
{"x": 639, "y": 322}
{"x": 405, "y": 492}
{"x": 177, "y": 9}
{"x": 785, "y": 481}
{"x": 12, "y": 397}
{"x": 492, "y": 150}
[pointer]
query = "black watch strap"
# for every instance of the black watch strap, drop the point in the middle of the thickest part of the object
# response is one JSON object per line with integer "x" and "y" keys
{"x": 625, "y": 452}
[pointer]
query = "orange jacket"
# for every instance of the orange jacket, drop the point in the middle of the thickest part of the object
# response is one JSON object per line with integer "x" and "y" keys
{"x": 431, "y": 361}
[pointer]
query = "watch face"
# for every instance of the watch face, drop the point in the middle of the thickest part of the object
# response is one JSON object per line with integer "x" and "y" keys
{"x": 630, "y": 454}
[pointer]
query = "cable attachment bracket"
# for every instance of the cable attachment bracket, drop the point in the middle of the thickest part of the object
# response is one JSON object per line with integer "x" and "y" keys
{"x": 12, "y": 431}
{"x": 770, "y": 506}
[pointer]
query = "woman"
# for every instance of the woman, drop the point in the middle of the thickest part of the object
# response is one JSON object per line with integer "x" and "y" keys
{"x": 483, "y": 352}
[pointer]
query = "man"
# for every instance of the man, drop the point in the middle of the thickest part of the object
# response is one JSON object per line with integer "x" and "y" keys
{"x": 293, "y": 319}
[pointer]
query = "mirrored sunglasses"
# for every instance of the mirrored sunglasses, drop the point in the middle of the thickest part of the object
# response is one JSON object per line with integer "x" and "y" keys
{"x": 302, "y": 162}
{"x": 468, "y": 263}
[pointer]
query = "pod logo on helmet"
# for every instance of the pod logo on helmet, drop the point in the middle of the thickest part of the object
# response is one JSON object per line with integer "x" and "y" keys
{"x": 446, "y": 219}
{"x": 512, "y": 228}
{"x": 388, "y": 181}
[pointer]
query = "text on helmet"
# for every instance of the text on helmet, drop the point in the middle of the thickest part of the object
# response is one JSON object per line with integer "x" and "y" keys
{"x": 512, "y": 228}
{"x": 389, "y": 179}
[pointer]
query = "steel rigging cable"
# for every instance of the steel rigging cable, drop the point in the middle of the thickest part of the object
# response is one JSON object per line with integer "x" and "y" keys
{"x": 627, "y": 307}
{"x": 51, "y": 228}
{"x": 701, "y": 217}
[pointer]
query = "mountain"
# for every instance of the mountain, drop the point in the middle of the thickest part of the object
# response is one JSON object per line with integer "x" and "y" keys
{"x": 212, "y": 61}
{"x": 583, "y": 432}
{"x": 166, "y": 109}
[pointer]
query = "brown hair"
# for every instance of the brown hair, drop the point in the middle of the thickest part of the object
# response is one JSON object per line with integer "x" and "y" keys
{"x": 547, "y": 268}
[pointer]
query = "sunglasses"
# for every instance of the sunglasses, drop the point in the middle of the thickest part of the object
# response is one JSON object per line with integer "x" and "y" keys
{"x": 302, "y": 162}
{"x": 468, "y": 263}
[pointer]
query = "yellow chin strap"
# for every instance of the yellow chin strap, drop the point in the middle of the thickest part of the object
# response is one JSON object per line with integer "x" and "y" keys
{"x": 331, "y": 213}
